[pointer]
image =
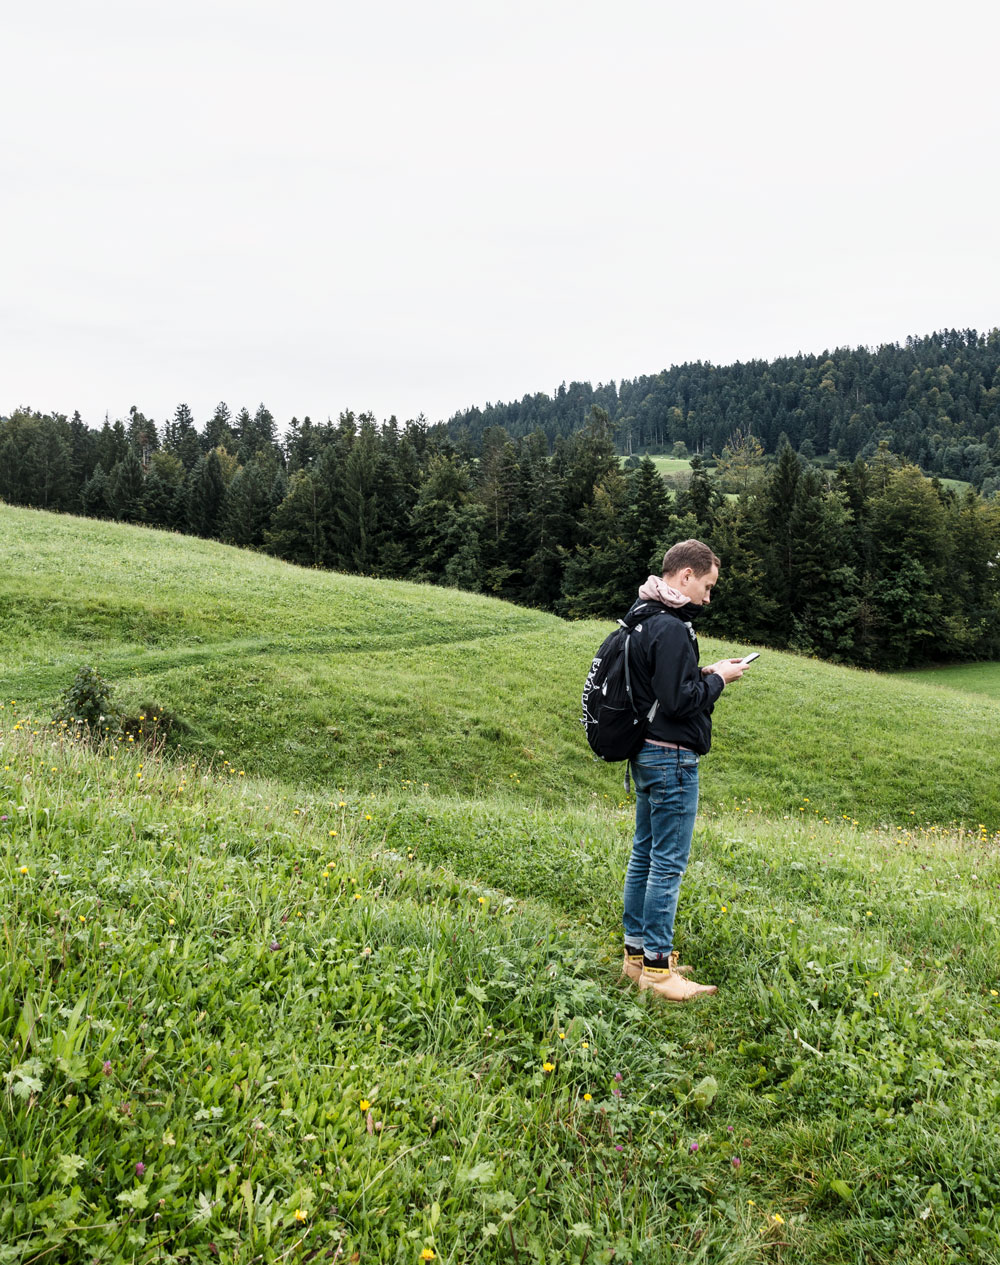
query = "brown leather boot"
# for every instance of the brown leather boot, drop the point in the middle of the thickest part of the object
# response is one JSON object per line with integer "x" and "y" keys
{"x": 674, "y": 960}
{"x": 632, "y": 967}
{"x": 665, "y": 983}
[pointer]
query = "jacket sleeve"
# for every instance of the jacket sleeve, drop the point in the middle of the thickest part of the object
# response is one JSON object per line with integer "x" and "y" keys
{"x": 677, "y": 680}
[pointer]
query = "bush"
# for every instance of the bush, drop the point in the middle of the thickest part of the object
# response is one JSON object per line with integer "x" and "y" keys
{"x": 87, "y": 701}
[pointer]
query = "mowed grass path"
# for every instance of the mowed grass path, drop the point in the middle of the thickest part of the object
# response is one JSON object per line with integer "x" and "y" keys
{"x": 327, "y": 680}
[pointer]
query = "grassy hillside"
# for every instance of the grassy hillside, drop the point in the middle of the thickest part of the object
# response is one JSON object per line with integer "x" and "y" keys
{"x": 328, "y": 680}
{"x": 248, "y": 1018}
{"x": 242, "y": 1023}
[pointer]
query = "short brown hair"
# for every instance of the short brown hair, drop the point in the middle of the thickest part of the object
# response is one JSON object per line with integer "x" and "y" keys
{"x": 689, "y": 553}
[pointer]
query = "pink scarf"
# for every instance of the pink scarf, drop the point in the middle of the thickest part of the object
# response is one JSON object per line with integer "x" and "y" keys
{"x": 658, "y": 590}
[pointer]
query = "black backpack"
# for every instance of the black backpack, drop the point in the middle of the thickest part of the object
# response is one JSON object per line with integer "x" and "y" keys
{"x": 615, "y": 728}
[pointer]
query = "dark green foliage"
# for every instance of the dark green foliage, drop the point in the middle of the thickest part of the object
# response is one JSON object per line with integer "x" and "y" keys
{"x": 87, "y": 701}
{"x": 248, "y": 506}
{"x": 94, "y": 494}
{"x": 36, "y": 461}
{"x": 862, "y": 560}
{"x": 205, "y": 496}
{"x": 296, "y": 533}
{"x": 126, "y": 488}
{"x": 936, "y": 400}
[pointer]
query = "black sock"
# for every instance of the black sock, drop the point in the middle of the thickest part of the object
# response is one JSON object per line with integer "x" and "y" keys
{"x": 632, "y": 951}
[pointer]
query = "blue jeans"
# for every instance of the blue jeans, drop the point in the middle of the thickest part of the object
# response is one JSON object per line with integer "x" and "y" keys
{"x": 666, "y": 803}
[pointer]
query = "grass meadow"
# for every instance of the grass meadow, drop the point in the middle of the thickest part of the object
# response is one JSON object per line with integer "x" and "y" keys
{"x": 273, "y": 992}
{"x": 982, "y": 680}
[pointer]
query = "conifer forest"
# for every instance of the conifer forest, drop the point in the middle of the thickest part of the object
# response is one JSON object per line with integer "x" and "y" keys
{"x": 825, "y": 483}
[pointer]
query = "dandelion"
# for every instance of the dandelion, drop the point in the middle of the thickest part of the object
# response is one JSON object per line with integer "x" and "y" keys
{"x": 300, "y": 1214}
{"x": 725, "y": 910}
{"x": 585, "y": 1045}
{"x": 365, "y": 1104}
{"x": 24, "y": 869}
{"x": 333, "y": 834}
{"x": 562, "y": 1036}
{"x": 993, "y": 992}
{"x": 482, "y": 900}
{"x": 588, "y": 1098}
{"x": 777, "y": 1218}
{"x": 357, "y": 895}
{"x": 171, "y": 922}
{"x": 548, "y": 1067}
{"x": 427, "y": 1254}
{"x": 82, "y": 919}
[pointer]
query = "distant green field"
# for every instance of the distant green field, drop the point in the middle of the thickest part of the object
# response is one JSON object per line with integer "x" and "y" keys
{"x": 973, "y": 678}
{"x": 671, "y": 465}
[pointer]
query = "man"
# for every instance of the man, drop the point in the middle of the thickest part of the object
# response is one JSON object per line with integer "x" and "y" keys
{"x": 664, "y": 667}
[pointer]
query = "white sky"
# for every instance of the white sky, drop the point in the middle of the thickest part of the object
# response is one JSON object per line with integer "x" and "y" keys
{"x": 414, "y": 207}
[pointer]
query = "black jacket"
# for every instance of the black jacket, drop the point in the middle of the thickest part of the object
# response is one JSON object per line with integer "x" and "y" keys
{"x": 664, "y": 665}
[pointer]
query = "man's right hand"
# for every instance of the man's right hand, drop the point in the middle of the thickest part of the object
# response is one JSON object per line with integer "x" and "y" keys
{"x": 728, "y": 669}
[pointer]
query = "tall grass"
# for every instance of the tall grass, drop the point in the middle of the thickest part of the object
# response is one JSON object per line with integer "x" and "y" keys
{"x": 207, "y": 976}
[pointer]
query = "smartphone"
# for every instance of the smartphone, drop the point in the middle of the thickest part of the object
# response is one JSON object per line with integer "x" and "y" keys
{"x": 749, "y": 658}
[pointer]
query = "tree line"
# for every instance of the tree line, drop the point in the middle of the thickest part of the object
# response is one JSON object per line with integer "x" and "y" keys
{"x": 934, "y": 400}
{"x": 869, "y": 563}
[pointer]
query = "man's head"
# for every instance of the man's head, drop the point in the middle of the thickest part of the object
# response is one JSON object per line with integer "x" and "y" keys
{"x": 692, "y": 568}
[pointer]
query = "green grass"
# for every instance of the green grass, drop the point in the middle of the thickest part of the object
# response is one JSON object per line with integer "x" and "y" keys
{"x": 671, "y": 465}
{"x": 321, "y": 679}
{"x": 214, "y": 954}
{"x": 202, "y": 979}
{"x": 981, "y": 679}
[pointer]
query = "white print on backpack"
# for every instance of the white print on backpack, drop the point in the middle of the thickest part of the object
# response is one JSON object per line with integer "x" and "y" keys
{"x": 587, "y": 687}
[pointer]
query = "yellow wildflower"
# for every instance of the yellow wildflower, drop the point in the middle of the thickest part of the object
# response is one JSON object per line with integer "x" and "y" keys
{"x": 365, "y": 1104}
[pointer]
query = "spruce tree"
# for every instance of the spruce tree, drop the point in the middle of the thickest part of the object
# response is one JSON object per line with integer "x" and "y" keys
{"x": 205, "y": 496}
{"x": 125, "y": 488}
{"x": 296, "y": 532}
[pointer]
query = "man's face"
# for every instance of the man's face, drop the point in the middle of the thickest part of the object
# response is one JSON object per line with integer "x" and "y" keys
{"x": 698, "y": 588}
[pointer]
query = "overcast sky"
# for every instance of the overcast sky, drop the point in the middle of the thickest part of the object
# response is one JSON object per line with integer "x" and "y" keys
{"x": 410, "y": 208}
